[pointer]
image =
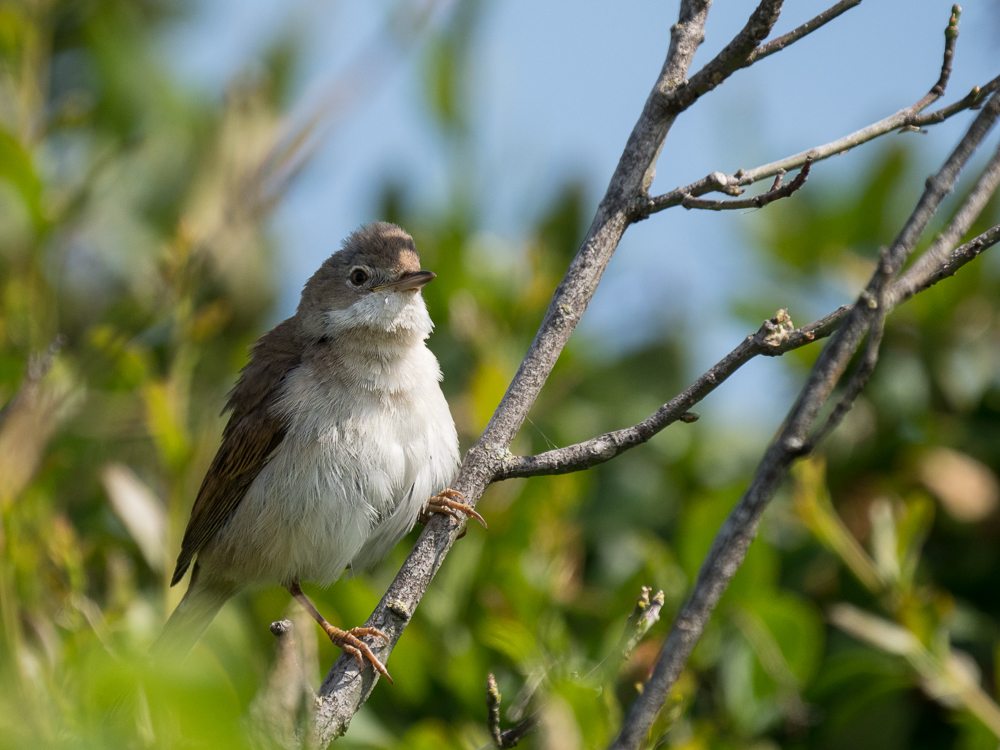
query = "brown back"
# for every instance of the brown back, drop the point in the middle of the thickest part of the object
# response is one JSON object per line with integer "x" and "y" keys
{"x": 248, "y": 441}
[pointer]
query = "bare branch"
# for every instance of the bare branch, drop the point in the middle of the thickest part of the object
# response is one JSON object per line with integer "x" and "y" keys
{"x": 906, "y": 119}
{"x": 946, "y": 242}
{"x": 286, "y": 697}
{"x": 510, "y": 737}
{"x": 345, "y": 690}
{"x": 777, "y": 192}
{"x": 776, "y": 45}
{"x": 645, "y": 615}
{"x": 932, "y": 259}
{"x": 907, "y": 287}
{"x": 604, "y": 447}
{"x": 729, "y": 60}
{"x": 733, "y": 540}
{"x": 950, "y": 40}
{"x": 774, "y": 338}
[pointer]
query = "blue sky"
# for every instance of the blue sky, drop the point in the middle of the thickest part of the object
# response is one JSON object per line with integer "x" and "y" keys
{"x": 558, "y": 87}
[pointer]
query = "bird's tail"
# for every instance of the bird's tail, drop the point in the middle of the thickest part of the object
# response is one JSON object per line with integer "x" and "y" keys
{"x": 192, "y": 617}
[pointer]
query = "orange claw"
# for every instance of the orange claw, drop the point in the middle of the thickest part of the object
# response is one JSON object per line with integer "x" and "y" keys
{"x": 350, "y": 641}
{"x": 443, "y": 502}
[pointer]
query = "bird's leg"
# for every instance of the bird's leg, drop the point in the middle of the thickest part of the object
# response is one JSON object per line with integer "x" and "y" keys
{"x": 347, "y": 640}
{"x": 444, "y": 502}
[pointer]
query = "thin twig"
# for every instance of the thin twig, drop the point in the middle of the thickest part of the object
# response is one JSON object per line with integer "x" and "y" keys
{"x": 777, "y": 192}
{"x": 943, "y": 245}
{"x": 973, "y": 100}
{"x": 950, "y": 40}
{"x": 775, "y": 337}
{"x": 731, "y": 543}
{"x": 732, "y": 57}
{"x": 776, "y": 45}
{"x": 731, "y": 183}
{"x": 509, "y": 737}
{"x": 345, "y": 690}
{"x": 907, "y": 119}
{"x": 907, "y": 286}
{"x": 966, "y": 216}
{"x": 645, "y": 615}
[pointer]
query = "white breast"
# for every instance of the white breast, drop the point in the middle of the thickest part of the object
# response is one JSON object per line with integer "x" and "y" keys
{"x": 361, "y": 456}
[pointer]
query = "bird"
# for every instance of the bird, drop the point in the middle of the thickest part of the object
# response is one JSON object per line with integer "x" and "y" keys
{"x": 339, "y": 440}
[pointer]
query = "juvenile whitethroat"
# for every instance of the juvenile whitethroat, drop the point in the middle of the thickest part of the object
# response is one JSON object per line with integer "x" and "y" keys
{"x": 337, "y": 437}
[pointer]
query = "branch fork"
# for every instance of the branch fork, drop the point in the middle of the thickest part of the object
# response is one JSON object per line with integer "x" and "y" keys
{"x": 626, "y": 201}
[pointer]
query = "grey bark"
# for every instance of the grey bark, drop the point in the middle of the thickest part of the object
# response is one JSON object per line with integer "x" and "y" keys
{"x": 731, "y": 543}
{"x": 345, "y": 690}
{"x": 626, "y": 200}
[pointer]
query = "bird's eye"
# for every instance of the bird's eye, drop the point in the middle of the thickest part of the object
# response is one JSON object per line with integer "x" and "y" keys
{"x": 358, "y": 276}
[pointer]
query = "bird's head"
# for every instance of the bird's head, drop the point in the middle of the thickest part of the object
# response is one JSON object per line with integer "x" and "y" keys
{"x": 372, "y": 284}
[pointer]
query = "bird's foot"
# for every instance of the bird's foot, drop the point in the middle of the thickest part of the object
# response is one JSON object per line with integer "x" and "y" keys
{"x": 350, "y": 641}
{"x": 444, "y": 502}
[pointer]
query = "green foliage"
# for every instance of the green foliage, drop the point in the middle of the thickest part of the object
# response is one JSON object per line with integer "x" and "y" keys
{"x": 863, "y": 614}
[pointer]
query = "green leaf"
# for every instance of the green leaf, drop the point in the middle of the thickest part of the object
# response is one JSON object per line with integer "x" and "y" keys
{"x": 796, "y": 627}
{"x": 16, "y": 167}
{"x": 510, "y": 638}
{"x": 702, "y": 518}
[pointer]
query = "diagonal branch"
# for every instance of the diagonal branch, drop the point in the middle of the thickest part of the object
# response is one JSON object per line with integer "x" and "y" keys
{"x": 912, "y": 284}
{"x": 966, "y": 216}
{"x": 344, "y": 690}
{"x": 772, "y": 340}
{"x": 644, "y": 616}
{"x": 730, "y": 183}
{"x": 943, "y": 245}
{"x": 732, "y": 57}
{"x": 776, "y": 45}
{"x": 777, "y": 192}
{"x": 733, "y": 540}
{"x": 905, "y": 119}
{"x": 859, "y": 379}
{"x": 775, "y": 337}
{"x": 509, "y": 737}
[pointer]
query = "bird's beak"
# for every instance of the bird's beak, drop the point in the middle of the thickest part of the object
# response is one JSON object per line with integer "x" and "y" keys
{"x": 413, "y": 280}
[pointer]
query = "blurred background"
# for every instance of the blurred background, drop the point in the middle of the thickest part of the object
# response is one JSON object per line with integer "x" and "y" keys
{"x": 172, "y": 172}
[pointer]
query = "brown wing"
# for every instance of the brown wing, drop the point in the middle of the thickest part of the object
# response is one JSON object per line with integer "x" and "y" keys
{"x": 249, "y": 440}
